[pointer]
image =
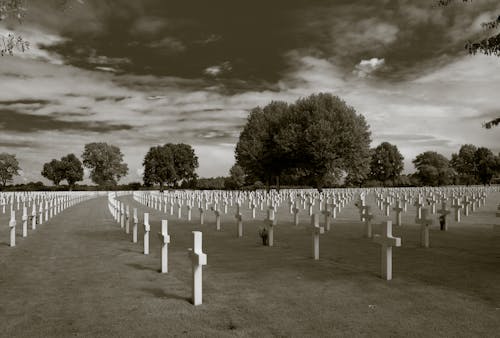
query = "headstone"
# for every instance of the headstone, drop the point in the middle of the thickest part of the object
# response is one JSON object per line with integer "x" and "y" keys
{"x": 270, "y": 226}
{"x": 368, "y": 217}
{"x": 387, "y": 241}
{"x": 398, "y": 209}
{"x": 316, "y": 231}
{"x": 25, "y": 221}
{"x": 425, "y": 223}
{"x": 457, "y": 206}
{"x": 165, "y": 239}
{"x": 127, "y": 219}
{"x": 147, "y": 228}
{"x": 12, "y": 226}
{"x": 239, "y": 220}
{"x": 202, "y": 215}
{"x": 443, "y": 216}
{"x": 217, "y": 219}
{"x": 198, "y": 259}
{"x": 134, "y": 228}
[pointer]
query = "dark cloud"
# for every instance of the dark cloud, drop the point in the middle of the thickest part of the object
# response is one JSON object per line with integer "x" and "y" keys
{"x": 24, "y": 102}
{"x": 17, "y": 144}
{"x": 14, "y": 121}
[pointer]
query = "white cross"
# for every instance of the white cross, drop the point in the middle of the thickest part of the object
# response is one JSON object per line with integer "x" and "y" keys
{"x": 12, "y": 226}
{"x": 198, "y": 259}
{"x": 457, "y": 206}
{"x": 147, "y": 228}
{"x": 25, "y": 220}
{"x": 316, "y": 231}
{"x": 165, "y": 239}
{"x": 134, "y": 228}
{"x": 239, "y": 220}
{"x": 424, "y": 227}
{"x": 398, "y": 209}
{"x": 387, "y": 241}
{"x": 368, "y": 217}
{"x": 270, "y": 225}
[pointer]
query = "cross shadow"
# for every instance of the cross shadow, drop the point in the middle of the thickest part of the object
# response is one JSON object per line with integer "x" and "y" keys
{"x": 159, "y": 293}
{"x": 141, "y": 267}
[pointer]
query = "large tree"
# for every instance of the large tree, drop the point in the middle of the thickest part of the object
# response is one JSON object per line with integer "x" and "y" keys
{"x": 433, "y": 169}
{"x": 487, "y": 165}
{"x": 464, "y": 164}
{"x": 53, "y": 171}
{"x": 73, "y": 169}
{"x": 386, "y": 162}
{"x": 9, "y": 167}
{"x": 105, "y": 162}
{"x": 319, "y": 134}
{"x": 169, "y": 164}
{"x": 236, "y": 178}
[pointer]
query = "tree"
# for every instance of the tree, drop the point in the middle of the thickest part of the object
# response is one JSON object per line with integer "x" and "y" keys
{"x": 236, "y": 178}
{"x": 169, "y": 164}
{"x": 53, "y": 171}
{"x": 320, "y": 135}
{"x": 72, "y": 169}
{"x": 9, "y": 167}
{"x": 386, "y": 162}
{"x": 105, "y": 163}
{"x": 15, "y": 10}
{"x": 487, "y": 165}
{"x": 464, "y": 163}
{"x": 433, "y": 169}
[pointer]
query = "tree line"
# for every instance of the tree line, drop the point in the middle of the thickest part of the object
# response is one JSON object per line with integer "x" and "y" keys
{"x": 318, "y": 141}
{"x": 168, "y": 165}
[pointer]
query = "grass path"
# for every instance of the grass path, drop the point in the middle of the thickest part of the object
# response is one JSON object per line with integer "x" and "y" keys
{"x": 79, "y": 275}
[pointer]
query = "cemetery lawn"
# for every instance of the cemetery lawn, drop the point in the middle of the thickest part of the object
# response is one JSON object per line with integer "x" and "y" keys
{"x": 80, "y": 275}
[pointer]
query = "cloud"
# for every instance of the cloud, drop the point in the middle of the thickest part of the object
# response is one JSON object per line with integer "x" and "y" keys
{"x": 366, "y": 67}
{"x": 216, "y": 70}
{"x": 26, "y": 123}
{"x": 148, "y": 25}
{"x": 169, "y": 44}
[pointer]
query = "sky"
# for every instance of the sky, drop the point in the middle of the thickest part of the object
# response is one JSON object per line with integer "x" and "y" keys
{"x": 142, "y": 73}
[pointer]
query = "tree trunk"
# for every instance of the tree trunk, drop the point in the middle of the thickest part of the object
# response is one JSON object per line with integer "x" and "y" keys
{"x": 161, "y": 186}
{"x": 278, "y": 183}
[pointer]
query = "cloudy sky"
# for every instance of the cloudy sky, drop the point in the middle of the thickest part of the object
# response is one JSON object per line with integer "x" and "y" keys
{"x": 143, "y": 73}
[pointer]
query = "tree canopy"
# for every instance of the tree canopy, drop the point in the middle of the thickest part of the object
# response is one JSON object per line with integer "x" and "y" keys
{"x": 169, "y": 164}
{"x": 53, "y": 171}
{"x": 433, "y": 169}
{"x": 9, "y": 167}
{"x": 105, "y": 163}
{"x": 315, "y": 137}
{"x": 69, "y": 168}
{"x": 73, "y": 169}
{"x": 386, "y": 162}
{"x": 236, "y": 178}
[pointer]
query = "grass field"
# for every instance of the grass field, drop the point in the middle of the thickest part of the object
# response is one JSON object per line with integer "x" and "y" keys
{"x": 80, "y": 275}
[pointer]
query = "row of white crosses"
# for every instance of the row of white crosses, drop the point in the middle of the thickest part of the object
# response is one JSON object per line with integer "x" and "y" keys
{"x": 43, "y": 207}
{"x": 398, "y": 198}
{"x": 196, "y": 255}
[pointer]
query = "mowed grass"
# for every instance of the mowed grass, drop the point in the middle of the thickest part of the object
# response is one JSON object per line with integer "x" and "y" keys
{"x": 80, "y": 275}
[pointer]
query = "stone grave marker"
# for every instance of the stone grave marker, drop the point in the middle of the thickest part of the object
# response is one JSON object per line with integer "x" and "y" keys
{"x": 316, "y": 231}
{"x": 165, "y": 240}
{"x": 198, "y": 260}
{"x": 425, "y": 224}
{"x": 12, "y": 226}
{"x": 387, "y": 241}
